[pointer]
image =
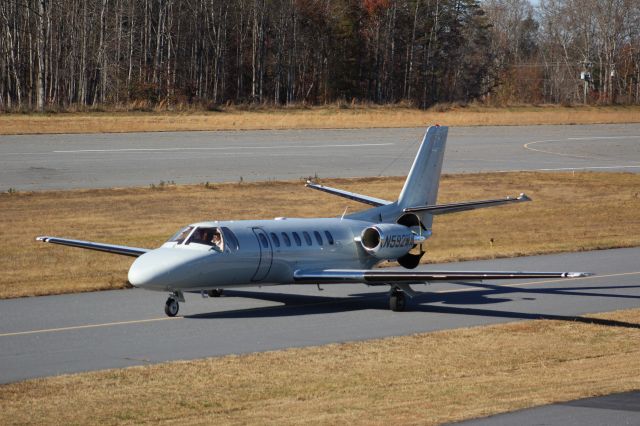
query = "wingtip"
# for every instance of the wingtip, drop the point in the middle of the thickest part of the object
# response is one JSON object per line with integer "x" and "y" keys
{"x": 578, "y": 274}
{"x": 524, "y": 197}
{"x": 42, "y": 238}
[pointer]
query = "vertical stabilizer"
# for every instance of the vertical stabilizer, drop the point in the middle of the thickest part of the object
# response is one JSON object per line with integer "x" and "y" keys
{"x": 421, "y": 186}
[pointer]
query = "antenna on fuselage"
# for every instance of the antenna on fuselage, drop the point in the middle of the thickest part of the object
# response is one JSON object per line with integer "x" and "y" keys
{"x": 344, "y": 212}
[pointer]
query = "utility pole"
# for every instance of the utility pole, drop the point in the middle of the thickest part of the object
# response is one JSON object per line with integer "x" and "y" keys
{"x": 585, "y": 76}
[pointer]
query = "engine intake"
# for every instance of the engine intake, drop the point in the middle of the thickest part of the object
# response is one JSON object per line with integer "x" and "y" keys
{"x": 388, "y": 241}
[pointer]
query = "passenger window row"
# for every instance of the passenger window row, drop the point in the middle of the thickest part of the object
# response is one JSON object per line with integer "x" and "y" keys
{"x": 288, "y": 242}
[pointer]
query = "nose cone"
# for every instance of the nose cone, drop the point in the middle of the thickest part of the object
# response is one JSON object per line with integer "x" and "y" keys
{"x": 166, "y": 268}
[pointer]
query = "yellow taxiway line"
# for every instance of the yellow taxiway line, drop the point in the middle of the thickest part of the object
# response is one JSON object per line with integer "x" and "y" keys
{"x": 80, "y": 327}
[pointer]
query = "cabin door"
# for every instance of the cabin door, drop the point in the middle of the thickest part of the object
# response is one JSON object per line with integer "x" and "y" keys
{"x": 266, "y": 255}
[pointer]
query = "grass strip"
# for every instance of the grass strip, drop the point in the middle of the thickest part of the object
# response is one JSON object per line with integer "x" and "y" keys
{"x": 420, "y": 379}
{"x": 570, "y": 212}
{"x": 308, "y": 118}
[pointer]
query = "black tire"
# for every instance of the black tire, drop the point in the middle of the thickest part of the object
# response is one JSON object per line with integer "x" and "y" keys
{"x": 217, "y": 292}
{"x": 172, "y": 307}
{"x": 397, "y": 301}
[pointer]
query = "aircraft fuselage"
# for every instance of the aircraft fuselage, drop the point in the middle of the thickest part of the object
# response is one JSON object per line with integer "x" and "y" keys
{"x": 266, "y": 252}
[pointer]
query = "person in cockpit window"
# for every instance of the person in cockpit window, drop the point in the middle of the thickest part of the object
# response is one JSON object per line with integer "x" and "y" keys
{"x": 217, "y": 240}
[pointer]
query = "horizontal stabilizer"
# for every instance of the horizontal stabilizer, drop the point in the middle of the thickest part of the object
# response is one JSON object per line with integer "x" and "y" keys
{"x": 381, "y": 276}
{"x": 465, "y": 206}
{"x": 376, "y": 202}
{"x": 109, "y": 248}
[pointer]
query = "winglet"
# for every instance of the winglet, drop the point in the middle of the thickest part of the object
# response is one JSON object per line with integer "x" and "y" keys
{"x": 578, "y": 274}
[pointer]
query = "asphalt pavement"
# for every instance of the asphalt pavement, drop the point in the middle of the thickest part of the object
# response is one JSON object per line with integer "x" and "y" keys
{"x": 45, "y": 336}
{"x": 40, "y": 162}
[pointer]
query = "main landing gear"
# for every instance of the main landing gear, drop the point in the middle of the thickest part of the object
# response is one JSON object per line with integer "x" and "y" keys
{"x": 397, "y": 300}
{"x": 216, "y": 292}
{"x": 172, "y": 306}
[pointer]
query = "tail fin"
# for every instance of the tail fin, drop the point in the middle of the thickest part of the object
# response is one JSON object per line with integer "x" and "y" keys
{"x": 421, "y": 186}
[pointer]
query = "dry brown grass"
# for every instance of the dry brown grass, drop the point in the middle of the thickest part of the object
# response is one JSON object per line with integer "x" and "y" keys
{"x": 580, "y": 211}
{"x": 421, "y": 379}
{"x": 310, "y": 118}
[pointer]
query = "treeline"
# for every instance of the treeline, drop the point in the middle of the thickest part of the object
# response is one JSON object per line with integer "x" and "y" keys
{"x": 566, "y": 51}
{"x": 96, "y": 53}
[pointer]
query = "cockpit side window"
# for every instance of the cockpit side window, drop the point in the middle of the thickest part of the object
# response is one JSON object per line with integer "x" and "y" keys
{"x": 297, "y": 238}
{"x": 181, "y": 235}
{"x": 230, "y": 239}
{"x": 204, "y": 236}
{"x": 208, "y": 236}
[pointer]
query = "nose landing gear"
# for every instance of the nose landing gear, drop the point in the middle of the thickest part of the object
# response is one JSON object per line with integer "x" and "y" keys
{"x": 172, "y": 306}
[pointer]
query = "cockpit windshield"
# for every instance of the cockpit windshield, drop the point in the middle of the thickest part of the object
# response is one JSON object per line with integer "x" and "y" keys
{"x": 181, "y": 235}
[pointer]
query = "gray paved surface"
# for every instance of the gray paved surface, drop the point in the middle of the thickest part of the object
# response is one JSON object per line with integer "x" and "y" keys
{"x": 140, "y": 159}
{"x": 617, "y": 409}
{"x": 44, "y": 336}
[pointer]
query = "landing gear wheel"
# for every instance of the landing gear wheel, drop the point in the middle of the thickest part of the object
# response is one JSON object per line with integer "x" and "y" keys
{"x": 217, "y": 292}
{"x": 397, "y": 300}
{"x": 171, "y": 307}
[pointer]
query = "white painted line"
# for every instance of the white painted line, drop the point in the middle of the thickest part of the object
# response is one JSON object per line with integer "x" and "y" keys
{"x": 560, "y": 169}
{"x": 588, "y": 138}
{"x": 528, "y": 145}
{"x": 79, "y": 151}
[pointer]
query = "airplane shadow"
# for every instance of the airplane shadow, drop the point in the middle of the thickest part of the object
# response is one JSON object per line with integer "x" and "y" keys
{"x": 300, "y": 305}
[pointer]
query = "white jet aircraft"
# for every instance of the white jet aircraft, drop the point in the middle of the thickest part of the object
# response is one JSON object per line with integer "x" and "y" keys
{"x": 207, "y": 257}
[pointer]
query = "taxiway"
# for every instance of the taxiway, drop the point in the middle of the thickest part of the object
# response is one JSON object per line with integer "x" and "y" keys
{"x": 45, "y": 336}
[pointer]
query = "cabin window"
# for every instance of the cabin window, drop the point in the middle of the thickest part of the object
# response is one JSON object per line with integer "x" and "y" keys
{"x": 263, "y": 240}
{"x": 286, "y": 239}
{"x": 329, "y": 237}
{"x": 275, "y": 239}
{"x": 230, "y": 239}
{"x": 297, "y": 238}
{"x": 307, "y": 238}
{"x": 318, "y": 237}
{"x": 181, "y": 235}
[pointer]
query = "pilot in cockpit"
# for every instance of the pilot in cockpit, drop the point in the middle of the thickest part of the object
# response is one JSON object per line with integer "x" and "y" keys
{"x": 217, "y": 240}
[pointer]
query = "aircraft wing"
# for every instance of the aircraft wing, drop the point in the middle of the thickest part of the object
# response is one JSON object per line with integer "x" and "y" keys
{"x": 376, "y": 202}
{"x": 382, "y": 276}
{"x": 109, "y": 248}
{"x": 469, "y": 205}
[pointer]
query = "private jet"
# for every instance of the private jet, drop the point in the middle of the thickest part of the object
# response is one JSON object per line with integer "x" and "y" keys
{"x": 208, "y": 257}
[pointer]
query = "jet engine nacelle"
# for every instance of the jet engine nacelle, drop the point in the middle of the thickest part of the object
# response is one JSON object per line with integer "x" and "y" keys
{"x": 388, "y": 241}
